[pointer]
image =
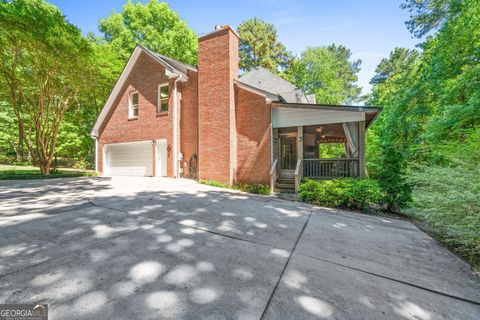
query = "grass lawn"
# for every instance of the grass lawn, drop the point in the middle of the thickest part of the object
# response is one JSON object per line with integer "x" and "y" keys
{"x": 8, "y": 172}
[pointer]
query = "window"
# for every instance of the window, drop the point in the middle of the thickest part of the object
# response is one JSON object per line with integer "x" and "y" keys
{"x": 163, "y": 95}
{"x": 133, "y": 105}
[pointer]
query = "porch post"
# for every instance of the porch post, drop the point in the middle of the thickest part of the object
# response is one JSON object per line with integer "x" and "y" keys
{"x": 276, "y": 144}
{"x": 361, "y": 148}
{"x": 300, "y": 143}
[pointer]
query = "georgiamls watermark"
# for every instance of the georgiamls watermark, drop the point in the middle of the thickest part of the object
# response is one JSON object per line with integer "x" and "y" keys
{"x": 24, "y": 311}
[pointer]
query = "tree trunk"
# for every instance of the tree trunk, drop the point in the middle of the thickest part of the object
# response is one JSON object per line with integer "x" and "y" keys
{"x": 19, "y": 148}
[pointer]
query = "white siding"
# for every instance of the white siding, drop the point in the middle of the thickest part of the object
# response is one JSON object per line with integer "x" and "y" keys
{"x": 291, "y": 117}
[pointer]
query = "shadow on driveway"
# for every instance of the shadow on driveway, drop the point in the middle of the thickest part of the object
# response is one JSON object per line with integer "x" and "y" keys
{"x": 149, "y": 248}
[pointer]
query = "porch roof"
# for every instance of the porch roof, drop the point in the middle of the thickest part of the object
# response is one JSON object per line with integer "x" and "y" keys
{"x": 293, "y": 114}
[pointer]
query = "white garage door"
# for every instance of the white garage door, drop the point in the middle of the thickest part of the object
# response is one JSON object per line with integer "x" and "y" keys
{"x": 129, "y": 159}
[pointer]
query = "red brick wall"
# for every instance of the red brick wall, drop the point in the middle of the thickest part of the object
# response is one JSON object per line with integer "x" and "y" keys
{"x": 253, "y": 138}
{"x": 217, "y": 67}
{"x": 189, "y": 121}
{"x": 145, "y": 77}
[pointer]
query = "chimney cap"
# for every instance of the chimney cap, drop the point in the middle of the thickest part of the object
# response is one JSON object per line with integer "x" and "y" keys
{"x": 219, "y": 27}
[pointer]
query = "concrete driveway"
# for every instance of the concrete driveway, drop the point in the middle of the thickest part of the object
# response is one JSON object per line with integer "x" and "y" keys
{"x": 149, "y": 248}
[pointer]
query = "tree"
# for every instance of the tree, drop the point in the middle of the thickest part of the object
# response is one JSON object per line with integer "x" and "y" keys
{"x": 75, "y": 145}
{"x": 397, "y": 192}
{"x": 43, "y": 73}
{"x": 259, "y": 47}
{"x": 328, "y": 73}
{"x": 427, "y": 15}
{"x": 154, "y": 25}
{"x": 396, "y": 87}
{"x": 399, "y": 59}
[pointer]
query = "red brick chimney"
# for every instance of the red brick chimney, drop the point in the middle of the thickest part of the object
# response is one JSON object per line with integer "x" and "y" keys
{"x": 217, "y": 68}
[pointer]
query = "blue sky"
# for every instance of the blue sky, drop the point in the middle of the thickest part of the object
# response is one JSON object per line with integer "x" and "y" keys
{"x": 370, "y": 28}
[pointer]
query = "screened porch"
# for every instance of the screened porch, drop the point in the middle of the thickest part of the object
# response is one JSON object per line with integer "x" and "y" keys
{"x": 318, "y": 142}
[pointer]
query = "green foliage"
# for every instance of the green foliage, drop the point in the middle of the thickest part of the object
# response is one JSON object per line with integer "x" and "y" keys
{"x": 215, "y": 183}
{"x": 446, "y": 197}
{"x": 397, "y": 63}
{"x": 331, "y": 150}
{"x": 427, "y": 15}
{"x": 356, "y": 194}
{"x": 396, "y": 191}
{"x": 259, "y": 47}
{"x": 154, "y": 25}
{"x": 328, "y": 73}
{"x": 251, "y": 188}
{"x": 431, "y": 115}
{"x": 44, "y": 69}
{"x": 8, "y": 129}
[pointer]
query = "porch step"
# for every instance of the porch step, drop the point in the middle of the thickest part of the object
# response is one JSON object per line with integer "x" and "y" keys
{"x": 284, "y": 190}
{"x": 285, "y": 185}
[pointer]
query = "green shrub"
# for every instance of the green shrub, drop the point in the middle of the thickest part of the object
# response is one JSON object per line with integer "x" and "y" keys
{"x": 397, "y": 192}
{"x": 356, "y": 194}
{"x": 251, "y": 188}
{"x": 214, "y": 183}
{"x": 447, "y": 201}
{"x": 80, "y": 164}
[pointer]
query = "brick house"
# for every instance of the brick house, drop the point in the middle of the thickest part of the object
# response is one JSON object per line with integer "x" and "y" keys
{"x": 167, "y": 118}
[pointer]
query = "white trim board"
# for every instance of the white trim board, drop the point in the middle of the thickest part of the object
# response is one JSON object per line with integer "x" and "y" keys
{"x": 291, "y": 117}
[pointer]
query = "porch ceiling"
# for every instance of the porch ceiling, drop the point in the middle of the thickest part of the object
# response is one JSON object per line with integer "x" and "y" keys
{"x": 289, "y": 117}
{"x": 296, "y": 114}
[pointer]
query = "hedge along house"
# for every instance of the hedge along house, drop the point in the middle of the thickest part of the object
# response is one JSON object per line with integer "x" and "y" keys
{"x": 167, "y": 118}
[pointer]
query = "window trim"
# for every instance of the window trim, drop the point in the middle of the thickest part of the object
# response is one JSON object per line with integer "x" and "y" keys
{"x": 159, "y": 99}
{"x": 130, "y": 104}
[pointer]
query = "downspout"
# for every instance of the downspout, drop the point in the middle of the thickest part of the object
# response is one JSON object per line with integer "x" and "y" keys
{"x": 175, "y": 129}
{"x": 198, "y": 135}
{"x": 96, "y": 154}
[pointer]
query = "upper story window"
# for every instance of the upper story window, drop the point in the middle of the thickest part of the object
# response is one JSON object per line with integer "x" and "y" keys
{"x": 133, "y": 105}
{"x": 163, "y": 97}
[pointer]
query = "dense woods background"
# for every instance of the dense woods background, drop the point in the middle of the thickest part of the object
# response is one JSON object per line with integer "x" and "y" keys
{"x": 54, "y": 82}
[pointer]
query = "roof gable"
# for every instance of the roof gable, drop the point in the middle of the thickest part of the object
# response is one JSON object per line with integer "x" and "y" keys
{"x": 173, "y": 69}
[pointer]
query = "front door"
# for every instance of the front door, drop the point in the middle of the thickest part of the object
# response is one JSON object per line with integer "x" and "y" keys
{"x": 288, "y": 156}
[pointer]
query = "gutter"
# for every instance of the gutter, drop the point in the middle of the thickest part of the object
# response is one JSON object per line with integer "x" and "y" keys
{"x": 175, "y": 127}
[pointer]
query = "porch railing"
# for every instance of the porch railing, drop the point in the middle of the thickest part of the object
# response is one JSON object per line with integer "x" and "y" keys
{"x": 330, "y": 168}
{"x": 273, "y": 175}
{"x": 298, "y": 173}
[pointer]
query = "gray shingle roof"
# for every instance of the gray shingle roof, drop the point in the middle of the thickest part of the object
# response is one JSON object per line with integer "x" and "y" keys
{"x": 265, "y": 80}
